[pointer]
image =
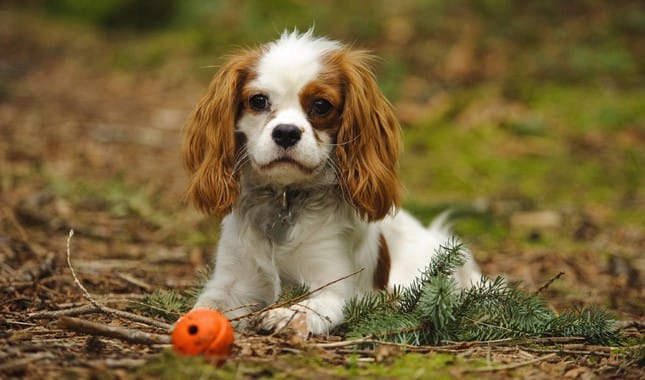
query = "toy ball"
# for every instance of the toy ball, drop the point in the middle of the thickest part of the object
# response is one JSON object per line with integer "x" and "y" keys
{"x": 203, "y": 332}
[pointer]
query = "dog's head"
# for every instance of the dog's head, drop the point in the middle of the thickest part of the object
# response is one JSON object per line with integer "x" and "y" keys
{"x": 295, "y": 111}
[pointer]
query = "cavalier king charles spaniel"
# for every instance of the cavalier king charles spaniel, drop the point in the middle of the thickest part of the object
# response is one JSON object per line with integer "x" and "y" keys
{"x": 295, "y": 146}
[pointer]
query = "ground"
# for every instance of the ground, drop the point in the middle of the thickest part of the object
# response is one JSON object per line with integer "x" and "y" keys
{"x": 544, "y": 179}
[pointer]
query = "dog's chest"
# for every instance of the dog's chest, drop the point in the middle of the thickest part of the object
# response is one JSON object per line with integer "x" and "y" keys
{"x": 287, "y": 217}
{"x": 279, "y": 222}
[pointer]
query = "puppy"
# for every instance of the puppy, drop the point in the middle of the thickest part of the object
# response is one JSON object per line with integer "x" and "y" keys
{"x": 296, "y": 147}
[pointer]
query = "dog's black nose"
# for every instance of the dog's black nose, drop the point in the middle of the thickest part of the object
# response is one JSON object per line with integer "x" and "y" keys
{"x": 286, "y": 135}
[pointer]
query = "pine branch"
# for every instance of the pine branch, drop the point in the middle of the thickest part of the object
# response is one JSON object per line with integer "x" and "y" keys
{"x": 497, "y": 310}
{"x": 446, "y": 260}
{"x": 168, "y": 304}
{"x": 591, "y": 323}
{"x": 378, "y": 302}
{"x": 391, "y": 327}
{"x": 431, "y": 311}
{"x": 171, "y": 304}
{"x": 437, "y": 305}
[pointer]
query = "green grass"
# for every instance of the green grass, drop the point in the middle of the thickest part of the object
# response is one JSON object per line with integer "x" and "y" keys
{"x": 582, "y": 148}
{"x": 306, "y": 365}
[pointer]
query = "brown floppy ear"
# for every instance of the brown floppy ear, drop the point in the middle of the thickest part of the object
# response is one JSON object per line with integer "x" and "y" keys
{"x": 368, "y": 141}
{"x": 210, "y": 147}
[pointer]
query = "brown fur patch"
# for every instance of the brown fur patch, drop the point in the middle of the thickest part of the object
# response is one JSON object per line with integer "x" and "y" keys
{"x": 383, "y": 265}
{"x": 327, "y": 89}
{"x": 210, "y": 145}
{"x": 368, "y": 138}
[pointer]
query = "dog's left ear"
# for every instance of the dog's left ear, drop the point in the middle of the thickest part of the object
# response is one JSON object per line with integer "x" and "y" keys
{"x": 368, "y": 141}
{"x": 210, "y": 145}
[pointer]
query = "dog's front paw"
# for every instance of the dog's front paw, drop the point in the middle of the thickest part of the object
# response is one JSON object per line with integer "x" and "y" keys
{"x": 208, "y": 303}
{"x": 290, "y": 320}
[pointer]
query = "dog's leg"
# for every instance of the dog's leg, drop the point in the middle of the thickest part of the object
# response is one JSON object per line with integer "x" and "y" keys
{"x": 238, "y": 285}
{"x": 320, "y": 264}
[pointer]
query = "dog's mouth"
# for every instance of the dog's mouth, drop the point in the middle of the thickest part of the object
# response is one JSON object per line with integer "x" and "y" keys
{"x": 287, "y": 162}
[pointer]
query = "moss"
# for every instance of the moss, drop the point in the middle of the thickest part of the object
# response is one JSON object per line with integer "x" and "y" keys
{"x": 167, "y": 365}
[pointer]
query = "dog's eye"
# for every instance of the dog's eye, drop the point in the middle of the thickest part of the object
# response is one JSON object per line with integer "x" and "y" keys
{"x": 320, "y": 107}
{"x": 259, "y": 102}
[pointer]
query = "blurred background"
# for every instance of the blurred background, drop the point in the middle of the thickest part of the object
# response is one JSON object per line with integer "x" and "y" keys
{"x": 526, "y": 117}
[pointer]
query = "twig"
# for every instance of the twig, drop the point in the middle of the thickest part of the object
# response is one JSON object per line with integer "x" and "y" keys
{"x": 86, "y": 294}
{"x": 109, "y": 310}
{"x": 513, "y": 341}
{"x": 493, "y": 342}
{"x": 248, "y": 305}
{"x": 554, "y": 339}
{"x": 19, "y": 364}
{"x": 345, "y": 343}
{"x": 548, "y": 283}
{"x": 81, "y": 310}
{"x": 125, "y": 363}
{"x": 295, "y": 299}
{"x": 137, "y": 318}
{"x": 130, "y": 335}
{"x": 597, "y": 352}
{"x": 88, "y": 309}
{"x": 134, "y": 281}
{"x": 509, "y": 366}
{"x": 371, "y": 340}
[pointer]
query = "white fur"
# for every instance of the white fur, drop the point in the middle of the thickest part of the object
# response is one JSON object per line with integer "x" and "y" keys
{"x": 286, "y": 66}
{"x": 326, "y": 240}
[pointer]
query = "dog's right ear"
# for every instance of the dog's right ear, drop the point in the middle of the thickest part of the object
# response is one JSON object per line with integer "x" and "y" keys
{"x": 369, "y": 141}
{"x": 210, "y": 147}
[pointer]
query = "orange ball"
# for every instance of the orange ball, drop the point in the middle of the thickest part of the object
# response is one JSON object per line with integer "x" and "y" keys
{"x": 203, "y": 331}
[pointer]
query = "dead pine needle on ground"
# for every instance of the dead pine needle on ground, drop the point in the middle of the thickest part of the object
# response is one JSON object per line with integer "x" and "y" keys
{"x": 527, "y": 122}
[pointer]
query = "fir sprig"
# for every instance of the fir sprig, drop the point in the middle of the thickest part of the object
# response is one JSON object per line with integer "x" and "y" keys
{"x": 446, "y": 260}
{"x": 432, "y": 310}
{"x": 167, "y": 304}
{"x": 171, "y": 304}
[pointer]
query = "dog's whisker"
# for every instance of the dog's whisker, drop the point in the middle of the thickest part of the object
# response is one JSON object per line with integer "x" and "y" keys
{"x": 241, "y": 158}
{"x": 344, "y": 142}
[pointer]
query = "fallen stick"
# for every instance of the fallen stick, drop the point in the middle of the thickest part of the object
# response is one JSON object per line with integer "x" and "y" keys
{"x": 88, "y": 309}
{"x": 104, "y": 309}
{"x": 78, "y": 283}
{"x": 137, "y": 318}
{"x": 603, "y": 351}
{"x": 548, "y": 283}
{"x": 510, "y": 366}
{"x": 135, "y": 281}
{"x": 71, "y": 312}
{"x": 20, "y": 364}
{"x": 130, "y": 335}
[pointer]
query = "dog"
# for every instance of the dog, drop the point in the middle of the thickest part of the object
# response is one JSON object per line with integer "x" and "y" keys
{"x": 295, "y": 146}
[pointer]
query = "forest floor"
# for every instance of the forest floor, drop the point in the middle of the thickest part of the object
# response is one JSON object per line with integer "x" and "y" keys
{"x": 96, "y": 149}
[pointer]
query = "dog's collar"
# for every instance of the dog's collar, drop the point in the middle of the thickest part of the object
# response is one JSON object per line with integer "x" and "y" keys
{"x": 281, "y": 226}
{"x": 286, "y": 199}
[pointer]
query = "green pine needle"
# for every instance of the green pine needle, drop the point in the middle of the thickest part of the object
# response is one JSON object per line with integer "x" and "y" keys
{"x": 446, "y": 260}
{"x": 171, "y": 304}
{"x": 437, "y": 305}
{"x": 431, "y": 310}
{"x": 167, "y": 304}
{"x": 293, "y": 292}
